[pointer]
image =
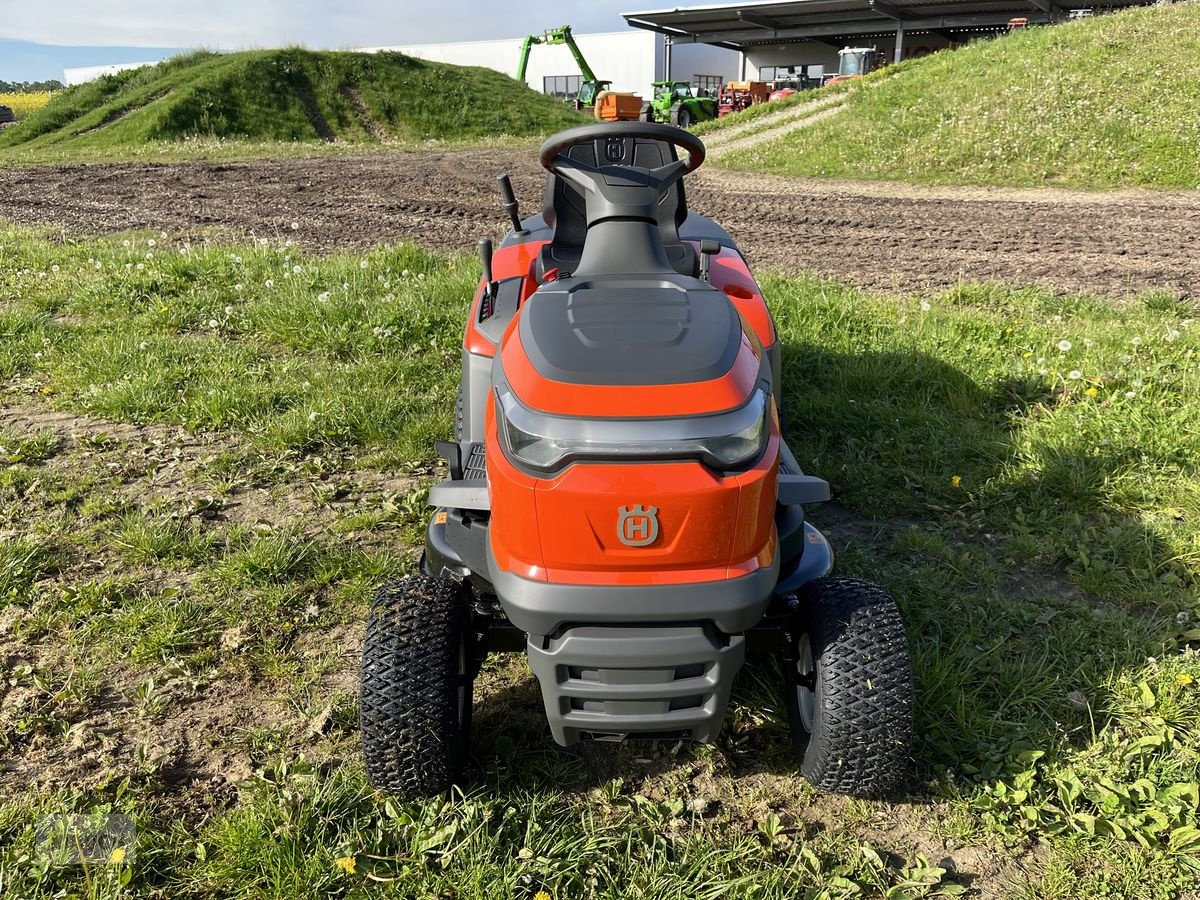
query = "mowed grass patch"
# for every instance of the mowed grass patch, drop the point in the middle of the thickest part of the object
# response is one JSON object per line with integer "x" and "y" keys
{"x": 1086, "y": 103}
{"x": 353, "y": 352}
{"x": 1019, "y": 468}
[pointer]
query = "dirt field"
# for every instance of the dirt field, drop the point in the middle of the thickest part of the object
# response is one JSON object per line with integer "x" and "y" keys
{"x": 891, "y": 238}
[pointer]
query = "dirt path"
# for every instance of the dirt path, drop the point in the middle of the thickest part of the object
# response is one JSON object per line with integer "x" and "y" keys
{"x": 893, "y": 238}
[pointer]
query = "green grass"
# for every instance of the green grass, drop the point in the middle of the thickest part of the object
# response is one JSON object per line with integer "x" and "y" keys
{"x": 1091, "y": 103}
{"x": 1020, "y": 469}
{"x": 294, "y": 98}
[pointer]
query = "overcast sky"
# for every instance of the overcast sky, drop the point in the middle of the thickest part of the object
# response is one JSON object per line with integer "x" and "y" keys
{"x": 237, "y": 24}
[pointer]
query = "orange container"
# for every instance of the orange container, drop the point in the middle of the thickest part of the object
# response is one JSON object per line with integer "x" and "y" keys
{"x": 616, "y": 106}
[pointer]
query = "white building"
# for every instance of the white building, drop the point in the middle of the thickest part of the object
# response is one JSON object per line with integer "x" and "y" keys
{"x": 91, "y": 73}
{"x": 631, "y": 60}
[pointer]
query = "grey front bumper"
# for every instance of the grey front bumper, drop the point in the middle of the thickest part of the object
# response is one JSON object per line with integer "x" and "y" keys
{"x": 541, "y": 607}
{"x": 651, "y": 661}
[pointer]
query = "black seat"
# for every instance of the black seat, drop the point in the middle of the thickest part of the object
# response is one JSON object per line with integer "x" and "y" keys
{"x": 565, "y": 213}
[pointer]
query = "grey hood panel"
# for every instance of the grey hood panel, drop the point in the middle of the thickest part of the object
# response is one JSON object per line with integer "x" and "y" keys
{"x": 621, "y": 331}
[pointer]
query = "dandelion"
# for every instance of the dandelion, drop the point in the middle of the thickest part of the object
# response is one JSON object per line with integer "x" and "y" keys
{"x": 323, "y": 297}
{"x": 269, "y": 283}
{"x": 1091, "y": 392}
{"x": 542, "y": 895}
{"x": 295, "y": 226}
{"x": 141, "y": 266}
{"x": 236, "y": 258}
{"x": 1074, "y": 374}
{"x": 98, "y": 266}
{"x": 150, "y": 243}
{"x": 1136, "y": 341}
{"x": 956, "y": 480}
{"x": 362, "y": 264}
{"x": 296, "y": 270}
{"x": 117, "y": 856}
{"x": 404, "y": 274}
{"x": 54, "y": 268}
{"x": 149, "y": 256}
{"x": 420, "y": 276}
{"x": 124, "y": 243}
{"x": 926, "y": 306}
{"x": 1064, "y": 345}
{"x": 346, "y": 863}
{"x": 229, "y": 310}
{"x": 237, "y": 287}
{"x": 1026, "y": 355}
{"x": 213, "y": 323}
{"x": 143, "y": 345}
{"x": 1184, "y": 679}
{"x": 163, "y": 235}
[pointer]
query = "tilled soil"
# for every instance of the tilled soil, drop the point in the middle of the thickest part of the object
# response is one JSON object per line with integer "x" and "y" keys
{"x": 884, "y": 237}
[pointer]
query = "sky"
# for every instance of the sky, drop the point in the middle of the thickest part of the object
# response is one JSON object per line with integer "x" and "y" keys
{"x": 38, "y": 40}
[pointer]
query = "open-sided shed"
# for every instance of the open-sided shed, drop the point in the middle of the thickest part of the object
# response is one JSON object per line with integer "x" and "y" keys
{"x": 805, "y": 32}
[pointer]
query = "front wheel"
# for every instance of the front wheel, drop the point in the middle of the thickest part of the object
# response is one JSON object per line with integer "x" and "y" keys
{"x": 850, "y": 687}
{"x": 683, "y": 117}
{"x": 416, "y": 694}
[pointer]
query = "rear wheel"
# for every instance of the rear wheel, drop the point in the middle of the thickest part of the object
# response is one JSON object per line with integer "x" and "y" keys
{"x": 849, "y": 688}
{"x": 415, "y": 700}
{"x": 683, "y": 117}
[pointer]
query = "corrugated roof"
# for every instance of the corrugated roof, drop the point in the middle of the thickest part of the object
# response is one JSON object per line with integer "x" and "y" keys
{"x": 771, "y": 21}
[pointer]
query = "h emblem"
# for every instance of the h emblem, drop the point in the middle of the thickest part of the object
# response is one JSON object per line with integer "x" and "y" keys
{"x": 614, "y": 149}
{"x": 637, "y": 526}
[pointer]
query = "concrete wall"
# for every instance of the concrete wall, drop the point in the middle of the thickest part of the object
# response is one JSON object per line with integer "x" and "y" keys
{"x": 631, "y": 60}
{"x": 810, "y": 53}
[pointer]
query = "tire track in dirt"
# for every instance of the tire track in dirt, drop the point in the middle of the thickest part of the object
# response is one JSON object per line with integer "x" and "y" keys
{"x": 893, "y": 238}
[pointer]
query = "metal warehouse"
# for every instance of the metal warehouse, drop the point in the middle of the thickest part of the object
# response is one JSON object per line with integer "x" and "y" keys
{"x": 773, "y": 37}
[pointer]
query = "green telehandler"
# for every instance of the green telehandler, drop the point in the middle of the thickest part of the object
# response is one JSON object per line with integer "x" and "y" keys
{"x": 591, "y": 89}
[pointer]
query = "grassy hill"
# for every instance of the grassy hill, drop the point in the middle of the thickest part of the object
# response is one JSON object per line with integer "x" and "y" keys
{"x": 289, "y": 95}
{"x": 1103, "y": 102}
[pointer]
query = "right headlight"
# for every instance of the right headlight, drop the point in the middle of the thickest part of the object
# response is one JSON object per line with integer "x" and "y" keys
{"x": 726, "y": 440}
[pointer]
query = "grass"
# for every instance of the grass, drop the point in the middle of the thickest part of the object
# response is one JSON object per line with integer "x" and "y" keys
{"x": 1082, "y": 104}
{"x": 201, "y": 102}
{"x": 1018, "y": 467}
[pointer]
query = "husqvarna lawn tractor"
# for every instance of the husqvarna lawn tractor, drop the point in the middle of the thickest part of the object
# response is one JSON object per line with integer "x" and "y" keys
{"x": 621, "y": 504}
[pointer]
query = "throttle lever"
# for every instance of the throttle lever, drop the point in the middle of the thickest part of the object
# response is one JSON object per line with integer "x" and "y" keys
{"x": 490, "y": 287}
{"x": 510, "y": 202}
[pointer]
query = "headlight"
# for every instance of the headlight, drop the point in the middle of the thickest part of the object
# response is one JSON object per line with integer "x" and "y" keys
{"x": 723, "y": 441}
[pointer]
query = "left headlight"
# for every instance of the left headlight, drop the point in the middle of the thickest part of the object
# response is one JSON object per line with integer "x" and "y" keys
{"x": 723, "y": 441}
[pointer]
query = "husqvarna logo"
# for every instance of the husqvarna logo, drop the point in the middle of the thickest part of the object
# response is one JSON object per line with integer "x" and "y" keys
{"x": 614, "y": 149}
{"x": 637, "y": 526}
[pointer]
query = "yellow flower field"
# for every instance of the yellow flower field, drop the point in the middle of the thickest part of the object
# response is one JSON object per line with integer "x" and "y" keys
{"x": 26, "y": 103}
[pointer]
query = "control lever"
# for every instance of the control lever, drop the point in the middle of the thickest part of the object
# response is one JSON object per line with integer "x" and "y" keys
{"x": 485, "y": 256}
{"x": 708, "y": 249}
{"x": 510, "y": 202}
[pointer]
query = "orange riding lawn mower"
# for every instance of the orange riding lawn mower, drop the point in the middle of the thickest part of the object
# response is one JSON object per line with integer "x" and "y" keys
{"x": 621, "y": 504}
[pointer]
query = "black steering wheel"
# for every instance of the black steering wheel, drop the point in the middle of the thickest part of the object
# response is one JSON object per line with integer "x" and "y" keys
{"x": 603, "y": 131}
{"x": 618, "y": 190}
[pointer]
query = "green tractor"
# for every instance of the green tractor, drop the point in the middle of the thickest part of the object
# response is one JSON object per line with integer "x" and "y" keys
{"x": 675, "y": 102}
